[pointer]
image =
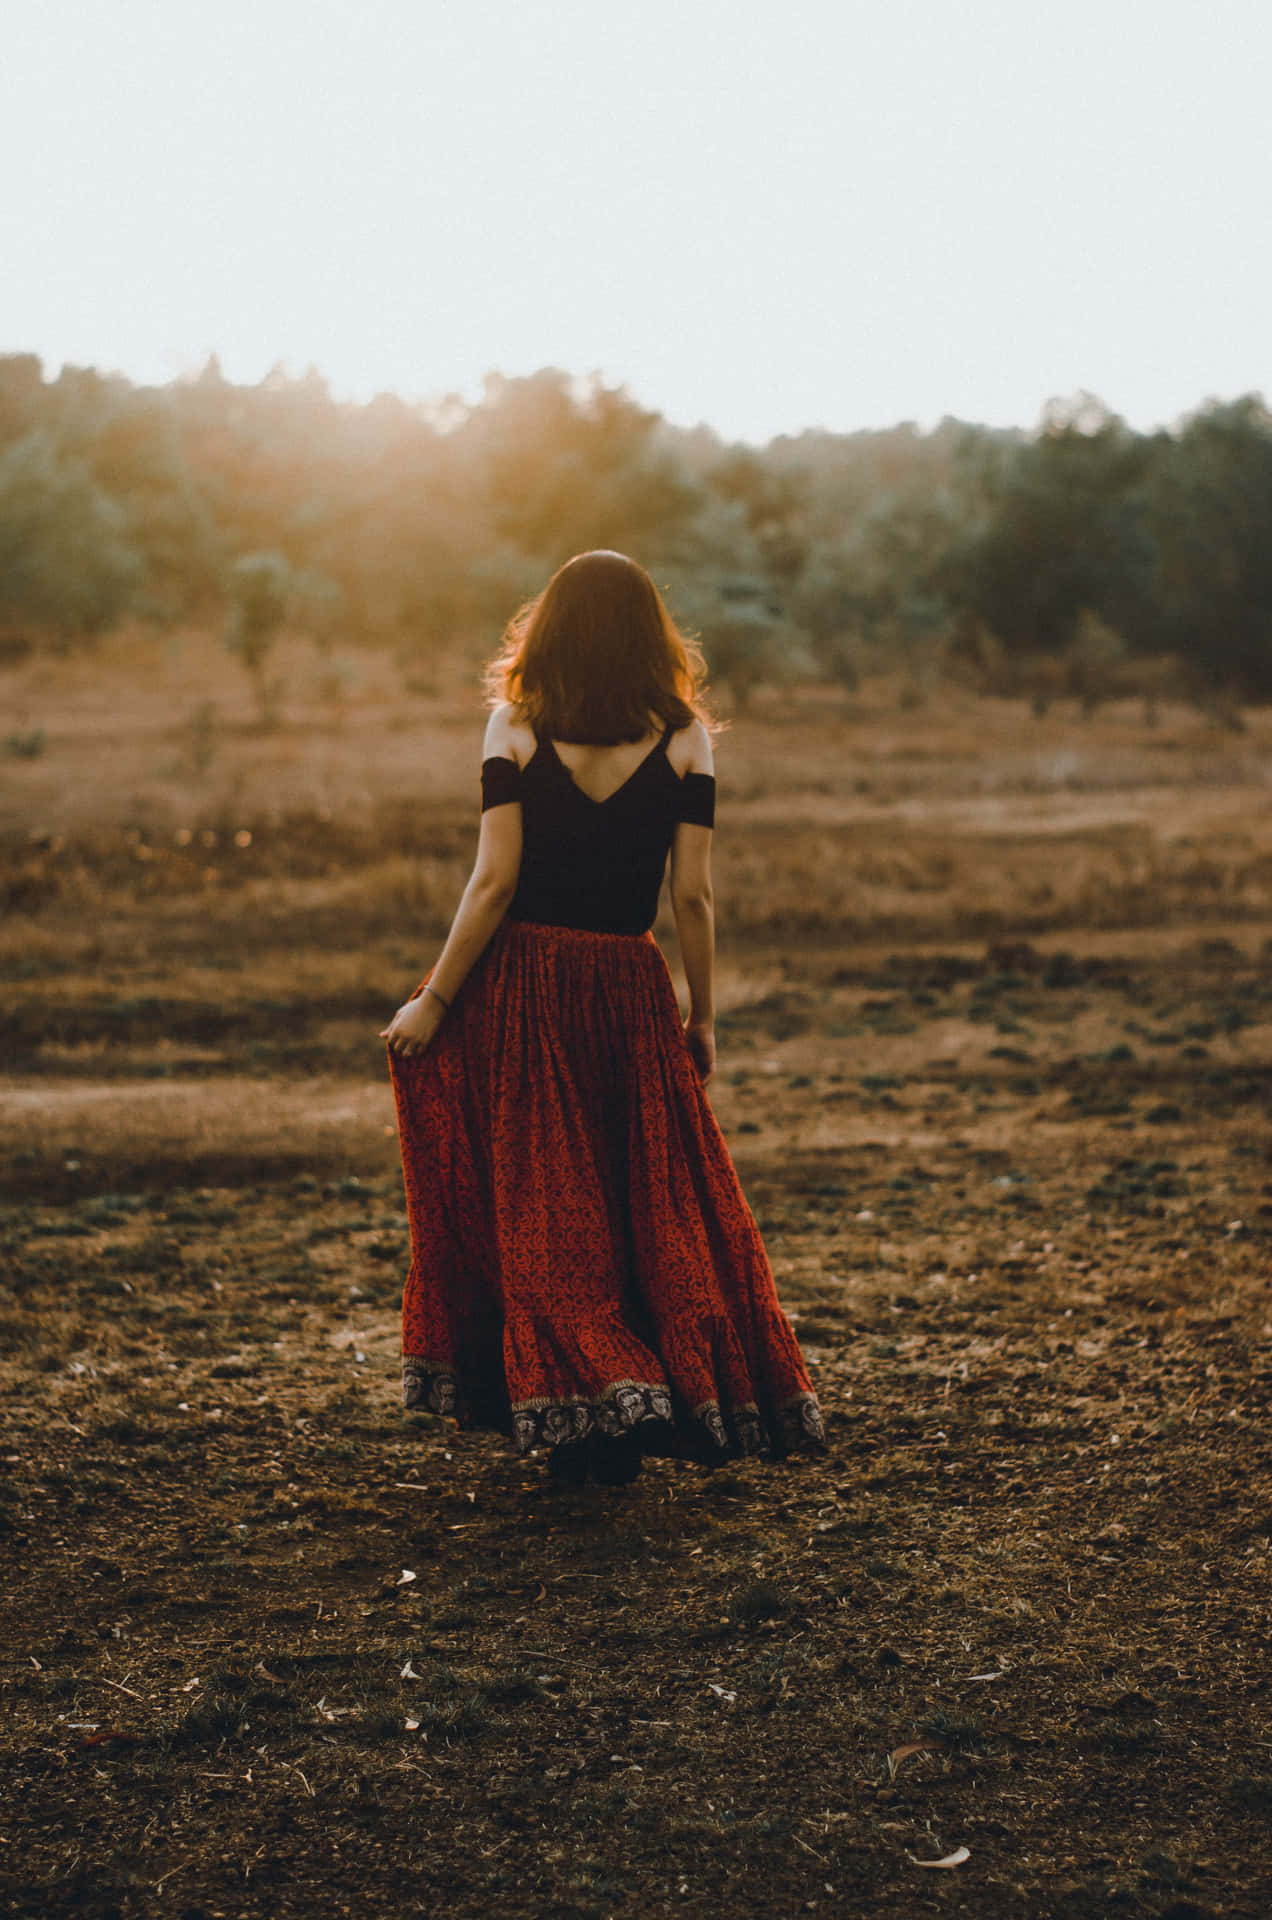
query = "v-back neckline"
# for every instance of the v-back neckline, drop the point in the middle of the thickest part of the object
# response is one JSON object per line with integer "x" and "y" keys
{"x": 614, "y": 792}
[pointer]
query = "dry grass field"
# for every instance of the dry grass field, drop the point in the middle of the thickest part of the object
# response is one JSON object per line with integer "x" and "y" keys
{"x": 996, "y": 1067}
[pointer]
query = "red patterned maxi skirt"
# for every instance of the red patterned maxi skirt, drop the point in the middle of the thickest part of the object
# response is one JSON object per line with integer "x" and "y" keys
{"x": 582, "y": 1258}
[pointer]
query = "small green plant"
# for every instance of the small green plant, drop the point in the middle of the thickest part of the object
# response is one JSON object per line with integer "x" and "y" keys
{"x": 26, "y": 746}
{"x": 960, "y": 1735}
{"x": 762, "y": 1600}
{"x": 205, "y": 1723}
{"x": 259, "y": 591}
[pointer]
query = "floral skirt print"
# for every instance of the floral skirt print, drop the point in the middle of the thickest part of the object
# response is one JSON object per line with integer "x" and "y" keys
{"x": 582, "y": 1258}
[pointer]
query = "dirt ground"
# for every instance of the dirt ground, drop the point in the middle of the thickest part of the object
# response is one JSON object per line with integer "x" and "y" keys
{"x": 996, "y": 1068}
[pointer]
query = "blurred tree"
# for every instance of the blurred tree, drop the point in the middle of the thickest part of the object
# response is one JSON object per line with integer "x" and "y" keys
{"x": 743, "y": 643}
{"x": 259, "y": 588}
{"x": 65, "y": 561}
{"x": 899, "y": 557}
{"x": 128, "y": 440}
{"x": 21, "y": 394}
{"x": 741, "y": 628}
{"x": 716, "y": 589}
{"x": 316, "y": 606}
{"x": 1211, "y": 514}
{"x": 403, "y": 526}
{"x": 1061, "y": 525}
{"x": 566, "y": 467}
{"x": 774, "y": 500}
{"x": 425, "y": 525}
{"x": 1096, "y": 655}
{"x": 829, "y": 603}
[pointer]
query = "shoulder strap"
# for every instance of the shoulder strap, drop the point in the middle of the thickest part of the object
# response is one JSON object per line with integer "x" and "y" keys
{"x": 668, "y": 730}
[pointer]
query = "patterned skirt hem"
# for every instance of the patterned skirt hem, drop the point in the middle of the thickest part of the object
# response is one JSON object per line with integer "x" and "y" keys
{"x": 708, "y": 1432}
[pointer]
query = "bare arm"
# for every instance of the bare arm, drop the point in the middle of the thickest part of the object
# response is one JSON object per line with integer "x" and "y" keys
{"x": 691, "y": 900}
{"x": 486, "y": 900}
{"x": 694, "y": 908}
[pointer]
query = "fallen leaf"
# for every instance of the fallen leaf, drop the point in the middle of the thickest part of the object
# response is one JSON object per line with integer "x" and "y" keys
{"x": 899, "y": 1755}
{"x": 409, "y": 1673}
{"x": 407, "y": 1577}
{"x": 954, "y": 1859}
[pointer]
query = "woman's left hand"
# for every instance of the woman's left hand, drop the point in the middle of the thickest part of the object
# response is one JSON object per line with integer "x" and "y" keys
{"x": 701, "y": 1037}
{"x": 414, "y": 1026}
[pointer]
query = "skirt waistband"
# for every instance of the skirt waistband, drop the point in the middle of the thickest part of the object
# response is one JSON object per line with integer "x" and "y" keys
{"x": 547, "y": 933}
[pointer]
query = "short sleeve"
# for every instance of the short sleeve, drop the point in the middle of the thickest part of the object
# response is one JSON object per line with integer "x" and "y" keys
{"x": 697, "y": 799}
{"x": 500, "y": 783}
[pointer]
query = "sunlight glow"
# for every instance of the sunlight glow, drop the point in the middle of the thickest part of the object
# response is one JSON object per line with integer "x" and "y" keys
{"x": 766, "y": 218}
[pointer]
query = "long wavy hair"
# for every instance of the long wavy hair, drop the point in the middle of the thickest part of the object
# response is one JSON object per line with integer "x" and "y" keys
{"x": 597, "y": 658}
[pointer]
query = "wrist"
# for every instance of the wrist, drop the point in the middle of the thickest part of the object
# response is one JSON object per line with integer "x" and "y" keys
{"x": 701, "y": 1020}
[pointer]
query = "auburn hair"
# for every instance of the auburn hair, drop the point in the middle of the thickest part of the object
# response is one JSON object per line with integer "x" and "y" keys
{"x": 597, "y": 657}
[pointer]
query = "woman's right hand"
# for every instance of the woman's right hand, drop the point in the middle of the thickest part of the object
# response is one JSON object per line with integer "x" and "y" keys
{"x": 701, "y": 1037}
{"x": 414, "y": 1026}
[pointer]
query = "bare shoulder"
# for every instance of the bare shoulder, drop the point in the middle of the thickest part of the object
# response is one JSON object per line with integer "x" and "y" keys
{"x": 689, "y": 751}
{"x": 507, "y": 738}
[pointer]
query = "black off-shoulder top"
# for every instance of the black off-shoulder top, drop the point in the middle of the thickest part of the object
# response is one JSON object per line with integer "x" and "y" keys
{"x": 595, "y": 864}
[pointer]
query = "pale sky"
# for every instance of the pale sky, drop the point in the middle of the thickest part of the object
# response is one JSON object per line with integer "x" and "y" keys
{"x": 766, "y": 216}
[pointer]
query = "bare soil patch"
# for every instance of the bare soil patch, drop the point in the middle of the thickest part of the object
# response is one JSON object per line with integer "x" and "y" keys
{"x": 1014, "y": 1167}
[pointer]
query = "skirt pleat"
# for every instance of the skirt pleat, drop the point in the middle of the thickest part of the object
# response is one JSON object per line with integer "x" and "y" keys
{"x": 582, "y": 1257}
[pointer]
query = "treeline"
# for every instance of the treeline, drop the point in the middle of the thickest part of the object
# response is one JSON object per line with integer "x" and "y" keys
{"x": 1080, "y": 558}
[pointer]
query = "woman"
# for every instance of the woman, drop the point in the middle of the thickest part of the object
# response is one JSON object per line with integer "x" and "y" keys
{"x": 585, "y": 1273}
